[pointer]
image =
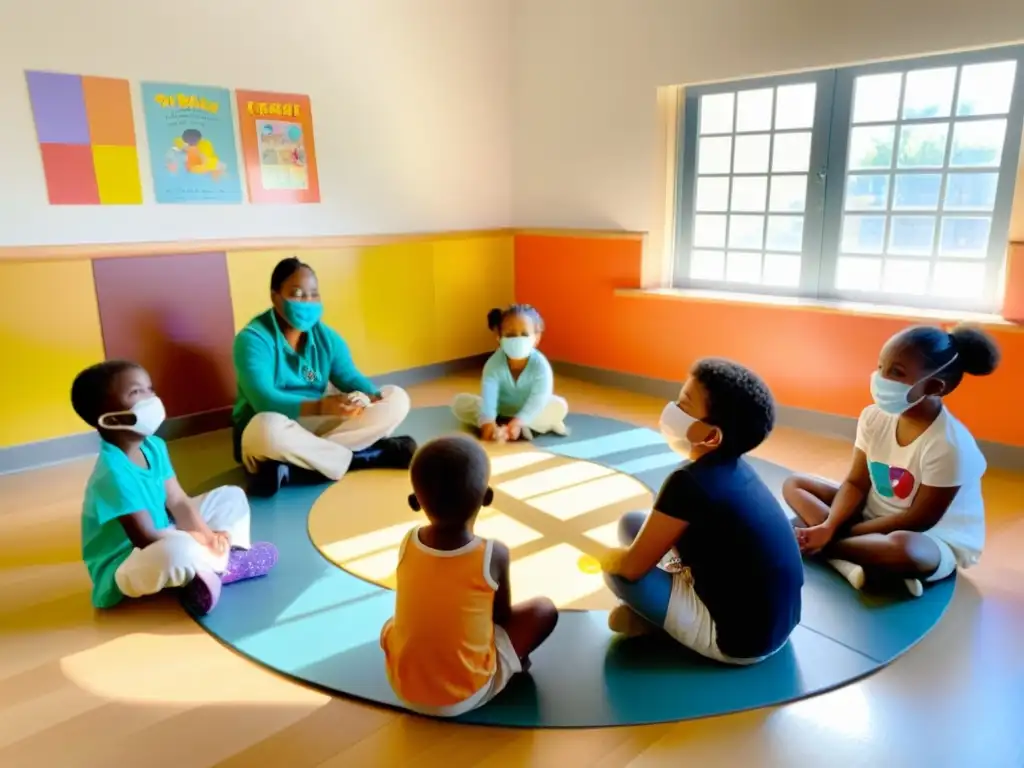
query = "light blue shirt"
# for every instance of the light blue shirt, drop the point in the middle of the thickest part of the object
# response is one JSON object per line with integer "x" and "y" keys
{"x": 521, "y": 399}
{"x": 118, "y": 487}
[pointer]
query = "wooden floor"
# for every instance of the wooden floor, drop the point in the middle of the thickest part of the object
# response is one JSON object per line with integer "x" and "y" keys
{"x": 145, "y": 686}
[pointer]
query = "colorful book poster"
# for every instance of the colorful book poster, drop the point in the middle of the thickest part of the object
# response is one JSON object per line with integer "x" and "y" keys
{"x": 86, "y": 136}
{"x": 191, "y": 143}
{"x": 277, "y": 143}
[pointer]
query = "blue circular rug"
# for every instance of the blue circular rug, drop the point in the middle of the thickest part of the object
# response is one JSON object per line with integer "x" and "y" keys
{"x": 319, "y": 624}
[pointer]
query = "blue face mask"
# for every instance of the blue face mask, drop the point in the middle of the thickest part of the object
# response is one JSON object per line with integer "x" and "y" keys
{"x": 517, "y": 347}
{"x": 302, "y": 315}
{"x": 893, "y": 397}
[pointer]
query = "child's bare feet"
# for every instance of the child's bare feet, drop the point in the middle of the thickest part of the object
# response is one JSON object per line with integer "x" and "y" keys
{"x": 625, "y": 621}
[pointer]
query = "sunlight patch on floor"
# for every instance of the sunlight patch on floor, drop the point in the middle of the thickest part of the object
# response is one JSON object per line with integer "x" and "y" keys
{"x": 178, "y": 669}
{"x": 553, "y": 479}
{"x": 606, "y": 535}
{"x": 555, "y": 572}
{"x": 580, "y": 499}
{"x": 366, "y": 543}
{"x": 510, "y": 462}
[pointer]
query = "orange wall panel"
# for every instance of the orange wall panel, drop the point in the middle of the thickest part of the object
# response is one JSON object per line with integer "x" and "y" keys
{"x": 813, "y": 359}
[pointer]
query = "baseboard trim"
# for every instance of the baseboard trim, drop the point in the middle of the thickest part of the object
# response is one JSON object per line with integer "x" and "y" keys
{"x": 18, "y": 458}
{"x": 999, "y": 455}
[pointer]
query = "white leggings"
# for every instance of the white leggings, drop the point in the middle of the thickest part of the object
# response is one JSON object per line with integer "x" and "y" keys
{"x": 322, "y": 443}
{"x": 173, "y": 560}
{"x": 466, "y": 408}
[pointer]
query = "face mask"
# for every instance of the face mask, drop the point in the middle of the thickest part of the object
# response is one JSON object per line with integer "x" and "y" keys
{"x": 892, "y": 396}
{"x": 517, "y": 347}
{"x": 675, "y": 423}
{"x": 302, "y": 315}
{"x": 149, "y": 415}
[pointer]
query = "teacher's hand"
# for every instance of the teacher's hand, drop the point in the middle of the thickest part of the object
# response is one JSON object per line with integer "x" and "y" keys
{"x": 340, "y": 406}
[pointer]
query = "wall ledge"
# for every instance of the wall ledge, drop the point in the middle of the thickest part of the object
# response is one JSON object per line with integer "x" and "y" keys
{"x": 82, "y": 251}
{"x": 910, "y": 314}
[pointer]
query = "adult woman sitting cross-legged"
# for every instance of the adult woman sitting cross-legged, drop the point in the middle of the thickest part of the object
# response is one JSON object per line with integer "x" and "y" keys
{"x": 287, "y": 426}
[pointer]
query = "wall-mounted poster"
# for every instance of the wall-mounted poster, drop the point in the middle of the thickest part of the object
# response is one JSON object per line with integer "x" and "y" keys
{"x": 86, "y": 136}
{"x": 277, "y": 143}
{"x": 191, "y": 143}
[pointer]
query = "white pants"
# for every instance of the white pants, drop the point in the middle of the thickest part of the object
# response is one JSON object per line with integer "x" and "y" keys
{"x": 466, "y": 408}
{"x": 689, "y": 622}
{"x": 322, "y": 443}
{"x": 174, "y": 560}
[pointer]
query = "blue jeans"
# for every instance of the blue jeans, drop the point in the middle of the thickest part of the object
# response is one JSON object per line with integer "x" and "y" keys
{"x": 649, "y": 595}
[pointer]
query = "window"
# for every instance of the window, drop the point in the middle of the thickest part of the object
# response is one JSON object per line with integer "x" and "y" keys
{"x": 886, "y": 183}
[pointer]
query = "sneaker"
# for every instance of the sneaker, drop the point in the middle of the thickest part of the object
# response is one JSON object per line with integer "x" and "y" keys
{"x": 560, "y": 429}
{"x": 267, "y": 479}
{"x": 250, "y": 563}
{"x": 852, "y": 572}
{"x": 625, "y": 621}
{"x": 914, "y": 587}
{"x": 387, "y": 453}
{"x": 201, "y": 594}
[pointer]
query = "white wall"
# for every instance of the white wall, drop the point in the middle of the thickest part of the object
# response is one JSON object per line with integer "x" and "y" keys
{"x": 585, "y": 74}
{"x": 410, "y": 103}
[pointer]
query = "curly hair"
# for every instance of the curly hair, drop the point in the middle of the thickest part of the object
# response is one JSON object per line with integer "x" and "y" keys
{"x": 738, "y": 402}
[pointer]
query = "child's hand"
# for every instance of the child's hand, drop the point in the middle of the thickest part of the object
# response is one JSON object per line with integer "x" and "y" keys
{"x": 514, "y": 429}
{"x": 814, "y": 539}
{"x": 611, "y": 561}
{"x": 340, "y": 406}
{"x": 217, "y": 543}
{"x": 489, "y": 432}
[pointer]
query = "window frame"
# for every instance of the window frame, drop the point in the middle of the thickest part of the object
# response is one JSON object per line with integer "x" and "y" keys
{"x": 827, "y": 178}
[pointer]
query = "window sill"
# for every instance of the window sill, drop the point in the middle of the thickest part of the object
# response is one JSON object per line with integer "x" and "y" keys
{"x": 822, "y": 305}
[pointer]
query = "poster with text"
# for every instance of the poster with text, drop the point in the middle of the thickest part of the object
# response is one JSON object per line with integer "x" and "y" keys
{"x": 191, "y": 143}
{"x": 277, "y": 143}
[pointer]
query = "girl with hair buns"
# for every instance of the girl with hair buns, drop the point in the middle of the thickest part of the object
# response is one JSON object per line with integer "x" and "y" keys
{"x": 911, "y": 506}
{"x": 517, "y": 388}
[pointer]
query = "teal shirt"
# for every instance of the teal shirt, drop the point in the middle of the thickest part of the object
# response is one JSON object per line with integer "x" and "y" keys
{"x": 118, "y": 487}
{"x": 274, "y": 378}
{"x": 523, "y": 398}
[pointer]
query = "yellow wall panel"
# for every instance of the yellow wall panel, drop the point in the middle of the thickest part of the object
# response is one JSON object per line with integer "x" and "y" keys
{"x": 337, "y": 271}
{"x": 43, "y": 347}
{"x": 471, "y": 277}
{"x": 398, "y": 306}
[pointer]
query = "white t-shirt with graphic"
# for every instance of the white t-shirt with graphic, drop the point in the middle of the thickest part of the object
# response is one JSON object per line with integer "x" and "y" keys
{"x": 943, "y": 456}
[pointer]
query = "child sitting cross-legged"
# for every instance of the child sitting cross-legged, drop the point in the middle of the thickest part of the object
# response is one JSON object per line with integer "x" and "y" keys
{"x": 456, "y": 639}
{"x": 736, "y": 597}
{"x": 141, "y": 533}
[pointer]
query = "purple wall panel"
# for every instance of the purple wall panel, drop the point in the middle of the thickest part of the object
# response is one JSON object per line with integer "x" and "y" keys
{"x": 172, "y": 314}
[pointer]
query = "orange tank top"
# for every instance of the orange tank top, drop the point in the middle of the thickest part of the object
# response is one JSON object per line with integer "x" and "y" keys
{"x": 439, "y": 646}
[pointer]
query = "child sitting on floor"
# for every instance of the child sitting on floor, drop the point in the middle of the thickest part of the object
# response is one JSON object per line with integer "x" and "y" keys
{"x": 131, "y": 546}
{"x": 517, "y": 390}
{"x": 736, "y": 598}
{"x": 911, "y": 505}
{"x": 456, "y": 639}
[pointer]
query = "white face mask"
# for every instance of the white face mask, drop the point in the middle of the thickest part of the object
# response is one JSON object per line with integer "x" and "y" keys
{"x": 149, "y": 415}
{"x": 517, "y": 347}
{"x": 892, "y": 397}
{"x": 675, "y": 423}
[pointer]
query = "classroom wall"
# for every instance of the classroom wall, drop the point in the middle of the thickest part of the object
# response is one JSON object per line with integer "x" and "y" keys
{"x": 812, "y": 359}
{"x": 400, "y": 305}
{"x": 585, "y": 75}
{"x": 410, "y": 103}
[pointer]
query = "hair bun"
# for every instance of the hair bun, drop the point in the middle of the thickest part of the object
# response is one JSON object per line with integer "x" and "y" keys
{"x": 494, "y": 319}
{"x": 977, "y": 352}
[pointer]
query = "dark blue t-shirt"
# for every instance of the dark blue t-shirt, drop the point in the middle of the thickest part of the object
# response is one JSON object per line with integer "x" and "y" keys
{"x": 741, "y": 551}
